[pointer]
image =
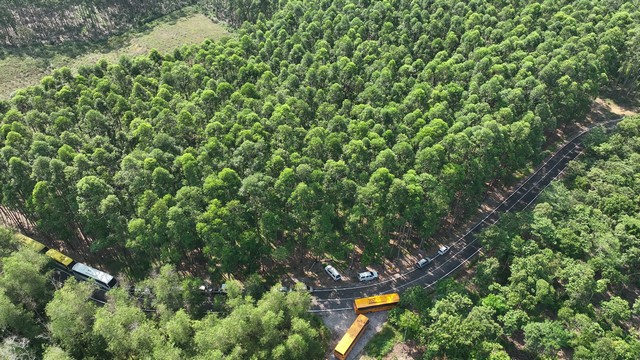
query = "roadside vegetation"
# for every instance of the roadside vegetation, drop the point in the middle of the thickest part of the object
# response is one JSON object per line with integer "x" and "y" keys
{"x": 165, "y": 316}
{"x": 559, "y": 281}
{"x": 383, "y": 342}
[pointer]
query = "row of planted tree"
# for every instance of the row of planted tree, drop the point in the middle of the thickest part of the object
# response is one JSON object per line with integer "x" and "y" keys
{"x": 33, "y": 23}
{"x": 29, "y": 23}
{"x": 330, "y": 124}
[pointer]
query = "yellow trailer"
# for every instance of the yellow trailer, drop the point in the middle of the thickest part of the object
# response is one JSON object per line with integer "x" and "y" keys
{"x": 60, "y": 257}
{"x": 30, "y": 243}
{"x": 376, "y": 303}
{"x": 350, "y": 338}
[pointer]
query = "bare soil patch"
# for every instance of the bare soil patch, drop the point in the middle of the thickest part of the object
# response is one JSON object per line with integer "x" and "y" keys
{"x": 403, "y": 351}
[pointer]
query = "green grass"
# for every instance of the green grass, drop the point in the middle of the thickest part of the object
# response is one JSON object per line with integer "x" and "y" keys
{"x": 383, "y": 342}
{"x": 26, "y": 67}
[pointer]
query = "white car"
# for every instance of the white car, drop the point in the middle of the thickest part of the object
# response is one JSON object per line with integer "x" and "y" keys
{"x": 297, "y": 287}
{"x": 302, "y": 288}
{"x": 443, "y": 250}
{"x": 335, "y": 275}
{"x": 422, "y": 263}
{"x": 221, "y": 290}
{"x": 367, "y": 276}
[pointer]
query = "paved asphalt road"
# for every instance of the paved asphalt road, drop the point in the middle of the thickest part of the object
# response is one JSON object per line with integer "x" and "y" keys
{"x": 464, "y": 248}
{"x": 341, "y": 298}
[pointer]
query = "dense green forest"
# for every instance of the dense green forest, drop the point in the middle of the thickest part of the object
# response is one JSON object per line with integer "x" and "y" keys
{"x": 559, "y": 281}
{"x": 322, "y": 127}
{"x": 166, "y": 317}
{"x": 330, "y": 124}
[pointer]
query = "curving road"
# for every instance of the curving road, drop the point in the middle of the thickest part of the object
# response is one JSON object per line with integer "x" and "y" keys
{"x": 465, "y": 247}
{"x": 462, "y": 250}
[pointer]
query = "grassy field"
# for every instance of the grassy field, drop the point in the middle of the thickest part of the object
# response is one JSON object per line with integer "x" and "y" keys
{"x": 165, "y": 34}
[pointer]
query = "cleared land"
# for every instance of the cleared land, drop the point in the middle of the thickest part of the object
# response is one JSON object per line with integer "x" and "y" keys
{"x": 18, "y": 71}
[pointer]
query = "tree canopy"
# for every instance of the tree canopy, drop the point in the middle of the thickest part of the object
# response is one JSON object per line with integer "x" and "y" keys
{"x": 166, "y": 316}
{"x": 323, "y": 126}
{"x": 559, "y": 279}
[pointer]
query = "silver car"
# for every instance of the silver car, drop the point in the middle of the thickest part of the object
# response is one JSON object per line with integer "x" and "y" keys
{"x": 335, "y": 275}
{"x": 422, "y": 263}
{"x": 367, "y": 276}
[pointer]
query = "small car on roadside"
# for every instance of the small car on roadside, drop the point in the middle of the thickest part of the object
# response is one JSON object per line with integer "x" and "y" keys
{"x": 422, "y": 263}
{"x": 221, "y": 290}
{"x": 367, "y": 276}
{"x": 335, "y": 275}
{"x": 443, "y": 250}
{"x": 302, "y": 288}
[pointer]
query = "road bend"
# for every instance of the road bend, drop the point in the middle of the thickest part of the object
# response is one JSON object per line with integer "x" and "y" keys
{"x": 461, "y": 250}
{"x": 465, "y": 247}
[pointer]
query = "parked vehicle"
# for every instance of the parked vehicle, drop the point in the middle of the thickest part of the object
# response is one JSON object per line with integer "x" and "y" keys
{"x": 206, "y": 289}
{"x": 79, "y": 270}
{"x": 350, "y": 338}
{"x": 443, "y": 250}
{"x": 335, "y": 275}
{"x": 422, "y": 263}
{"x": 221, "y": 290}
{"x": 376, "y": 303}
{"x": 367, "y": 276}
{"x": 302, "y": 288}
